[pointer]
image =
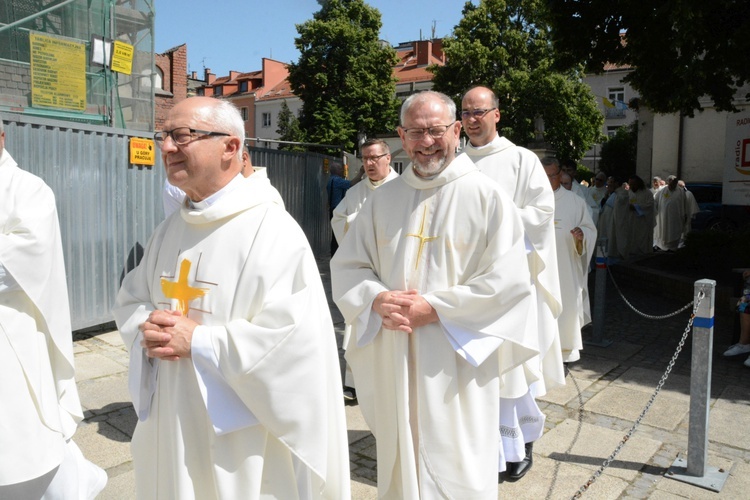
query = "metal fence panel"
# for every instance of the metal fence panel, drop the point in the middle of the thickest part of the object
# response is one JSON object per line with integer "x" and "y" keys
{"x": 301, "y": 181}
{"x": 109, "y": 208}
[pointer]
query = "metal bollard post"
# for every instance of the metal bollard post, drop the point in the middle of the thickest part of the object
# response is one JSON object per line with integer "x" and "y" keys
{"x": 600, "y": 293}
{"x": 695, "y": 470}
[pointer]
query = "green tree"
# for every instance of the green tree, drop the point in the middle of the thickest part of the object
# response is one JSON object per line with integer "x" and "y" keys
{"x": 504, "y": 44}
{"x": 618, "y": 153}
{"x": 680, "y": 50}
{"x": 344, "y": 75}
{"x": 288, "y": 129}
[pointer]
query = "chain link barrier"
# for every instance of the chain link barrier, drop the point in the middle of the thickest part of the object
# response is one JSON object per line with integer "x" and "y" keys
{"x": 647, "y": 316}
{"x": 611, "y": 458}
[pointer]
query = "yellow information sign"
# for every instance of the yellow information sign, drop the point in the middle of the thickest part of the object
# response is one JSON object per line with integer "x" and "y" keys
{"x": 122, "y": 57}
{"x": 58, "y": 72}
{"x": 142, "y": 151}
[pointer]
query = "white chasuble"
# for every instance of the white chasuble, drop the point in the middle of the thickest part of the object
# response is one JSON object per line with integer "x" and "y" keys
{"x": 670, "y": 207}
{"x": 521, "y": 175}
{"x": 258, "y": 410}
{"x": 573, "y": 263}
{"x": 346, "y": 211}
{"x": 431, "y": 397}
{"x": 39, "y": 405}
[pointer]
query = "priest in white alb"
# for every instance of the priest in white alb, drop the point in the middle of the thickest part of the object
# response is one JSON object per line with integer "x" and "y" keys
{"x": 39, "y": 404}
{"x": 233, "y": 363}
{"x": 434, "y": 277}
{"x": 671, "y": 208}
{"x": 520, "y": 174}
{"x": 575, "y": 237}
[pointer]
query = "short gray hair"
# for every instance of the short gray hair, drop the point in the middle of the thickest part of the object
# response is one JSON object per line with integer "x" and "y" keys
{"x": 424, "y": 96}
{"x": 225, "y": 117}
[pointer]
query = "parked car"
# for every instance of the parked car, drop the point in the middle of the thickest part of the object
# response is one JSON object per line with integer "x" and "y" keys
{"x": 713, "y": 215}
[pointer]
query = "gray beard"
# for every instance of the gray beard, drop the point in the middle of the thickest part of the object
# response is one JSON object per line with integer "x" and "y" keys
{"x": 430, "y": 169}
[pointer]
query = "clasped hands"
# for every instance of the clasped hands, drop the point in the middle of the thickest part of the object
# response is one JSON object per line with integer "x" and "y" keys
{"x": 404, "y": 310}
{"x": 167, "y": 335}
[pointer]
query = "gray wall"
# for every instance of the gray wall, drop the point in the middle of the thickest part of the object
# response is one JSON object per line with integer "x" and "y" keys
{"x": 109, "y": 208}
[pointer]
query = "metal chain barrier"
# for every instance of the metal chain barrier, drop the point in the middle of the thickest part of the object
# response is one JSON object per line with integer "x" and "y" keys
{"x": 647, "y": 316}
{"x": 627, "y": 436}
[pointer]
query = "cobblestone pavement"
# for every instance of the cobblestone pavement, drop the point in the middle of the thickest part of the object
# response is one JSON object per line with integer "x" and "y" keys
{"x": 615, "y": 384}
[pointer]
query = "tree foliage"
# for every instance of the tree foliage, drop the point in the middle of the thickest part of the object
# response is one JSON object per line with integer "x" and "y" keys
{"x": 618, "y": 154}
{"x": 680, "y": 50}
{"x": 504, "y": 44}
{"x": 288, "y": 129}
{"x": 344, "y": 75}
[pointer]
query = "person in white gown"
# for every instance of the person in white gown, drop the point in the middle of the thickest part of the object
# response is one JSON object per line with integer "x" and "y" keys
{"x": 39, "y": 404}
{"x": 434, "y": 277}
{"x": 233, "y": 363}
{"x": 575, "y": 237}
{"x": 519, "y": 172}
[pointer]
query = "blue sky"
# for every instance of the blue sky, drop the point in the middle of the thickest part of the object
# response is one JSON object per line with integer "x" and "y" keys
{"x": 236, "y": 34}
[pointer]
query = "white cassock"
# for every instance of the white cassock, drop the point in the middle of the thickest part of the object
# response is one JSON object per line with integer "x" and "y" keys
{"x": 619, "y": 240}
{"x": 40, "y": 408}
{"x": 584, "y": 193}
{"x": 257, "y": 412}
{"x": 521, "y": 175}
{"x": 604, "y": 224}
{"x": 573, "y": 262}
{"x": 597, "y": 194}
{"x": 431, "y": 397}
{"x": 691, "y": 208}
{"x": 346, "y": 211}
{"x": 670, "y": 208}
{"x": 640, "y": 223}
{"x": 343, "y": 217}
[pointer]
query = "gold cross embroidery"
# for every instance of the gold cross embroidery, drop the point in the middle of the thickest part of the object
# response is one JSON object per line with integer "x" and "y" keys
{"x": 180, "y": 289}
{"x": 422, "y": 238}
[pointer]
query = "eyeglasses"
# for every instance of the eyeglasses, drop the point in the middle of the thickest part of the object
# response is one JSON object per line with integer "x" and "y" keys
{"x": 366, "y": 159}
{"x": 476, "y": 113}
{"x": 436, "y": 132}
{"x": 184, "y": 135}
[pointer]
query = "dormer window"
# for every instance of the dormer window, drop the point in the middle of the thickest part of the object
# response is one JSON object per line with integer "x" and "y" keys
{"x": 243, "y": 86}
{"x": 218, "y": 90}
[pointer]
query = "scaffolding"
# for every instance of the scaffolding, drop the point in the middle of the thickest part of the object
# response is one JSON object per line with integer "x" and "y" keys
{"x": 112, "y": 98}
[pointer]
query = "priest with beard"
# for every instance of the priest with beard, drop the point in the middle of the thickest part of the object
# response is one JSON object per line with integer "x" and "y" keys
{"x": 434, "y": 277}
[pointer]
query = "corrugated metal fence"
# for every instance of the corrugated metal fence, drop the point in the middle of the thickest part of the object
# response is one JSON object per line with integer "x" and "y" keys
{"x": 300, "y": 179}
{"x": 109, "y": 208}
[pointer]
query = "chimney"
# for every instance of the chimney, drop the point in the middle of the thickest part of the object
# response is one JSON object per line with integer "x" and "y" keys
{"x": 424, "y": 47}
{"x": 233, "y": 74}
{"x": 194, "y": 75}
{"x": 437, "y": 49}
{"x": 208, "y": 76}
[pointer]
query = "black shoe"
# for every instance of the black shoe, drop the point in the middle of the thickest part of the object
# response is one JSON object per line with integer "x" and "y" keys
{"x": 516, "y": 470}
{"x": 350, "y": 396}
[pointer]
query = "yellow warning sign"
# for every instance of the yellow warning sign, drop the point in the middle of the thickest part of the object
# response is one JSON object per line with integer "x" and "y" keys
{"x": 58, "y": 72}
{"x": 142, "y": 151}
{"x": 122, "y": 57}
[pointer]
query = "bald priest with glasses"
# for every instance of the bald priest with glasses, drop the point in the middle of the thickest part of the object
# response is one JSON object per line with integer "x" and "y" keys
{"x": 233, "y": 363}
{"x": 434, "y": 277}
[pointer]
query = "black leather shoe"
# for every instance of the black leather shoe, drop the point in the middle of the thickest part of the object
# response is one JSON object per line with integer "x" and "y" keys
{"x": 516, "y": 470}
{"x": 350, "y": 396}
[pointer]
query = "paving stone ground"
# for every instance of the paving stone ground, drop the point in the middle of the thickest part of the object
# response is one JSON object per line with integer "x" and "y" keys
{"x": 614, "y": 384}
